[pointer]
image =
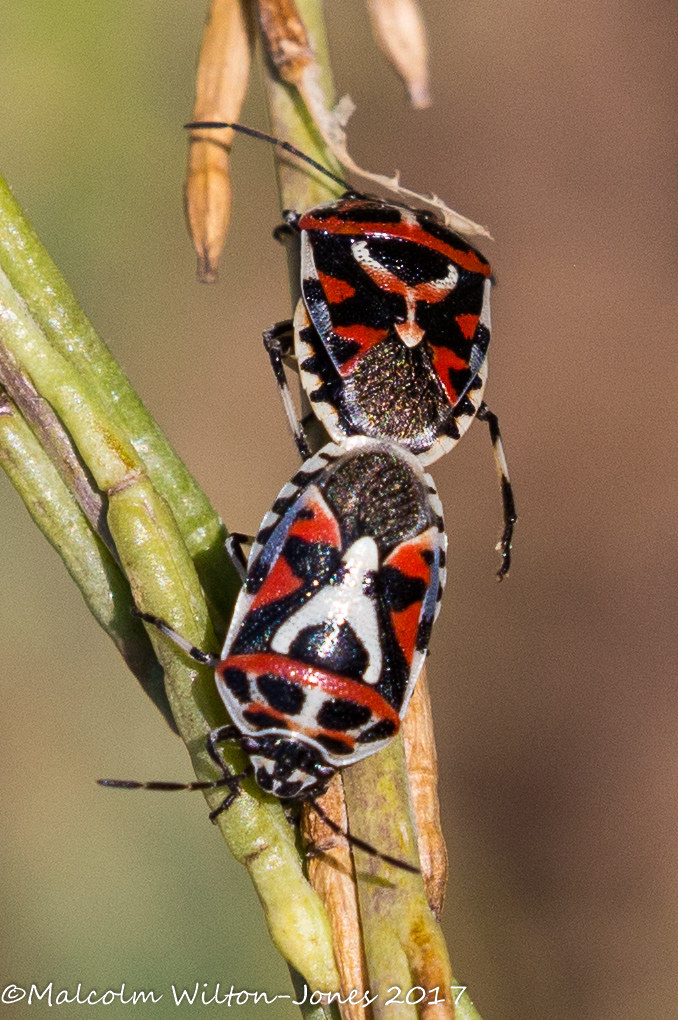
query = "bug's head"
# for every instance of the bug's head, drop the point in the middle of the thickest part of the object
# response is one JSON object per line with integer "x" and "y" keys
{"x": 287, "y": 767}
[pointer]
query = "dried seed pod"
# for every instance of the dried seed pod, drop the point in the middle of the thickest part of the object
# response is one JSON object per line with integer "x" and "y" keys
{"x": 399, "y": 30}
{"x": 223, "y": 75}
{"x": 422, "y": 771}
{"x": 285, "y": 38}
{"x": 208, "y": 204}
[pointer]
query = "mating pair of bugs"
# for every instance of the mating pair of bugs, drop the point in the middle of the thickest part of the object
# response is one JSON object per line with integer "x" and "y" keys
{"x": 345, "y": 576}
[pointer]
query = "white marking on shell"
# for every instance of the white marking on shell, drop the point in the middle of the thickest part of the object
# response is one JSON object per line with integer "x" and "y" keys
{"x": 409, "y": 332}
{"x": 310, "y": 380}
{"x": 308, "y": 266}
{"x": 484, "y": 319}
{"x": 338, "y": 604}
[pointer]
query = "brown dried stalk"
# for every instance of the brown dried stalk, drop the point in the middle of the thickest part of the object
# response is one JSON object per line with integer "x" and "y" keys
{"x": 330, "y": 872}
{"x": 285, "y": 37}
{"x": 422, "y": 771}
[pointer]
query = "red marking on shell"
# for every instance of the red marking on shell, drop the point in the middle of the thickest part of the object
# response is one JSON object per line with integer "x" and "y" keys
{"x": 407, "y": 231}
{"x": 281, "y": 581}
{"x": 443, "y": 360}
{"x": 322, "y": 526}
{"x": 468, "y": 325}
{"x": 431, "y": 290}
{"x": 336, "y": 290}
{"x": 409, "y": 559}
{"x": 334, "y": 685}
{"x": 406, "y": 626}
{"x": 366, "y": 336}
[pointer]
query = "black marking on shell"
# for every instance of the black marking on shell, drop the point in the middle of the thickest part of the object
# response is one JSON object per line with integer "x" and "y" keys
{"x": 332, "y": 745}
{"x": 238, "y": 684}
{"x": 382, "y": 730}
{"x": 281, "y": 694}
{"x": 311, "y": 561}
{"x": 340, "y": 714}
{"x": 424, "y": 633}
{"x": 399, "y": 590}
{"x": 260, "y": 720}
{"x": 333, "y": 648}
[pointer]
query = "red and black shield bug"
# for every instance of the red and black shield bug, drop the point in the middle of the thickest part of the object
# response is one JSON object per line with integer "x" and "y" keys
{"x": 332, "y": 625}
{"x": 391, "y": 333}
{"x": 331, "y": 629}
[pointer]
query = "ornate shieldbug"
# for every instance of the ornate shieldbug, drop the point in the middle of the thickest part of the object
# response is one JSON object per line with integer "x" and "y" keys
{"x": 392, "y": 330}
{"x": 332, "y": 625}
{"x": 391, "y": 333}
{"x": 331, "y": 629}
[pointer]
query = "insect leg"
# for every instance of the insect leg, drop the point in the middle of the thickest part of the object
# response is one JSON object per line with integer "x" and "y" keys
{"x": 233, "y": 782}
{"x": 220, "y": 736}
{"x": 205, "y": 658}
{"x": 234, "y": 544}
{"x": 230, "y": 780}
{"x": 161, "y": 785}
{"x": 510, "y": 516}
{"x": 278, "y": 344}
{"x": 216, "y": 736}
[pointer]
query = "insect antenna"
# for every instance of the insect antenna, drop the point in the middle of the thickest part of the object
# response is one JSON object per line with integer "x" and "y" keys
{"x": 272, "y": 140}
{"x": 231, "y": 781}
{"x": 360, "y": 843}
{"x": 159, "y": 785}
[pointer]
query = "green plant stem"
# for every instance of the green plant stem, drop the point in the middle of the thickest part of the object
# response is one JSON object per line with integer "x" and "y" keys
{"x": 102, "y": 583}
{"x": 165, "y": 583}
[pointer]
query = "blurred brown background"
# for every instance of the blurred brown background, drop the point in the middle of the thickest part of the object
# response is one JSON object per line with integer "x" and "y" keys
{"x": 555, "y": 692}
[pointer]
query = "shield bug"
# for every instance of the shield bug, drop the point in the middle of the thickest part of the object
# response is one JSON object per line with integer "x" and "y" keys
{"x": 391, "y": 332}
{"x": 332, "y": 625}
